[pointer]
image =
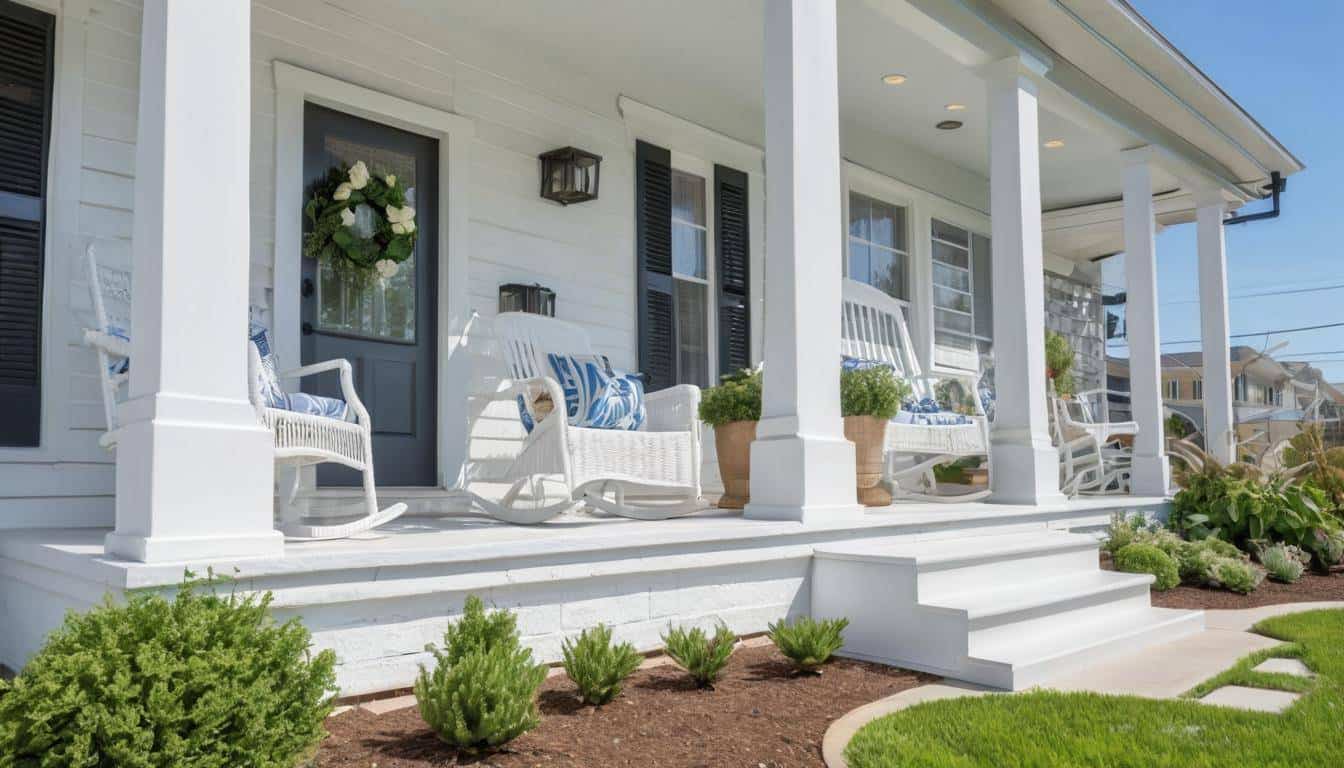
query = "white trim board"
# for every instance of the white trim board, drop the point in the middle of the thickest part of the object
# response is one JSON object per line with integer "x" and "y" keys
{"x": 293, "y": 87}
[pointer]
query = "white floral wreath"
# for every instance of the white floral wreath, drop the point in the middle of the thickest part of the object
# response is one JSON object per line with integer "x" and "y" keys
{"x": 359, "y": 223}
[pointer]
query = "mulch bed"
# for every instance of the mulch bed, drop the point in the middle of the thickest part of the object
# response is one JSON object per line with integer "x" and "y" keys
{"x": 759, "y": 715}
{"x": 1312, "y": 587}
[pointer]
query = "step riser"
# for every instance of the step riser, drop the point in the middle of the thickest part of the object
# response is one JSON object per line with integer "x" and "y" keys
{"x": 1055, "y": 620}
{"x": 937, "y": 582}
{"x": 1028, "y": 675}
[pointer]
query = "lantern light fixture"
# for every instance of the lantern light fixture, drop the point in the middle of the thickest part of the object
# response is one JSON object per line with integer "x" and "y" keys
{"x": 569, "y": 175}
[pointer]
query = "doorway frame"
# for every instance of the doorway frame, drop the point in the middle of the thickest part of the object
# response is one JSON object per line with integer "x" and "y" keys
{"x": 294, "y": 86}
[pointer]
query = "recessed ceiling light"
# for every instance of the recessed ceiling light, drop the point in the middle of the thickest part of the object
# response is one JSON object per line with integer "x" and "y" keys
{"x": 893, "y": 79}
{"x": 1054, "y": 144}
{"x": 955, "y": 107}
{"x": 949, "y": 125}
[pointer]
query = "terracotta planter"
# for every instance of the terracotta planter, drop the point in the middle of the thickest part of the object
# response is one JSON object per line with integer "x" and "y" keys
{"x": 732, "y": 443}
{"x": 868, "y": 433}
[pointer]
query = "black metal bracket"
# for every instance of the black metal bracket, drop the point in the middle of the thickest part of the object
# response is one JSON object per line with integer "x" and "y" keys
{"x": 1277, "y": 184}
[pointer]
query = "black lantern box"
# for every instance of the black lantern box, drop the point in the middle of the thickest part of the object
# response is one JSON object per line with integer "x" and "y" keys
{"x": 569, "y": 175}
{"x": 517, "y": 297}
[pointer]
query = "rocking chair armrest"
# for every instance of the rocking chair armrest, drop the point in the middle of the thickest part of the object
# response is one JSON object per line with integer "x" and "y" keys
{"x": 674, "y": 409}
{"x": 348, "y": 392}
{"x": 107, "y": 343}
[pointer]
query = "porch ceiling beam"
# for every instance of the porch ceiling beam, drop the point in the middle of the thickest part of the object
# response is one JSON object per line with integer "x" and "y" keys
{"x": 802, "y": 467}
{"x": 1024, "y": 465}
{"x": 194, "y": 464}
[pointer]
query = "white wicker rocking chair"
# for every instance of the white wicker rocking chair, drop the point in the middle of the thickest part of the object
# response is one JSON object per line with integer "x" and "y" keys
{"x": 1092, "y": 461}
{"x": 873, "y": 327}
{"x": 300, "y": 439}
{"x": 659, "y": 464}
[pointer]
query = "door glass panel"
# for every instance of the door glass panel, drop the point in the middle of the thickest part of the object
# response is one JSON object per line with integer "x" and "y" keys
{"x": 372, "y": 308}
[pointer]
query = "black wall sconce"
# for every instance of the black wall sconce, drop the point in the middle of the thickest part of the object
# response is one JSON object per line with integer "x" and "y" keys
{"x": 537, "y": 299}
{"x": 569, "y": 175}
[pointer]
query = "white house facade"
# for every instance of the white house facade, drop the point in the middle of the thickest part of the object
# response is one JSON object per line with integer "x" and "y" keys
{"x": 969, "y": 159}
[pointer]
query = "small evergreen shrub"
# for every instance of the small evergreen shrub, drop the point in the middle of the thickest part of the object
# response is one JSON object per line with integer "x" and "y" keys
{"x": 1146, "y": 558}
{"x": 1284, "y": 563}
{"x": 201, "y": 680}
{"x": 872, "y": 391}
{"x": 737, "y": 398}
{"x": 1122, "y": 531}
{"x": 597, "y": 666}
{"x": 702, "y": 657}
{"x": 482, "y": 691}
{"x": 808, "y": 643}
{"x": 1234, "y": 574}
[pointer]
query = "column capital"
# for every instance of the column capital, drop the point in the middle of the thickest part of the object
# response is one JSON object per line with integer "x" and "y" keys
{"x": 1022, "y": 71}
{"x": 1143, "y": 155}
{"x": 1208, "y": 197}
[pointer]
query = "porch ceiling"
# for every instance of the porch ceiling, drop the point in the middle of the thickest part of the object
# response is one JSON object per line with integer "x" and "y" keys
{"x": 702, "y": 60}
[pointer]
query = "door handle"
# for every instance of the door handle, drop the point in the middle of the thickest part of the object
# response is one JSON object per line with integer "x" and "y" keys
{"x": 306, "y": 289}
{"x": 306, "y": 329}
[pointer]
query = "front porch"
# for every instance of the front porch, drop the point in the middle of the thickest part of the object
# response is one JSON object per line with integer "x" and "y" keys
{"x": 379, "y": 598}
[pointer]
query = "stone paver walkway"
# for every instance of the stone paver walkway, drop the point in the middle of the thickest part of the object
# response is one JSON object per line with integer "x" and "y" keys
{"x": 1284, "y": 667}
{"x": 1257, "y": 699}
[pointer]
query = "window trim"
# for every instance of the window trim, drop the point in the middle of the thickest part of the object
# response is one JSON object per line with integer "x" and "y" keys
{"x": 969, "y": 248}
{"x": 907, "y": 254}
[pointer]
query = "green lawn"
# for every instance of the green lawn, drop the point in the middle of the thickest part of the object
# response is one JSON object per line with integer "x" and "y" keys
{"x": 1082, "y": 729}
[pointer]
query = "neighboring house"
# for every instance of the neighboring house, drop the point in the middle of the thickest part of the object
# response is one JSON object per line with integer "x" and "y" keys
{"x": 970, "y": 159}
{"x": 1270, "y": 398}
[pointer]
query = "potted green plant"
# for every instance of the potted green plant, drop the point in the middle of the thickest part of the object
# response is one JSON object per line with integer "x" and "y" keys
{"x": 732, "y": 409}
{"x": 869, "y": 398}
{"x": 1059, "y": 363}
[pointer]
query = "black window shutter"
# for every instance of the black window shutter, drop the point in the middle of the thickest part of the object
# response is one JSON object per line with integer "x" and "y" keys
{"x": 732, "y": 236}
{"x": 653, "y": 265}
{"x": 27, "y": 40}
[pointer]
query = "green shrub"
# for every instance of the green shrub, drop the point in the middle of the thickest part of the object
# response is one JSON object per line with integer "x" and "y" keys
{"x": 872, "y": 391}
{"x": 1197, "y": 558}
{"x": 1284, "y": 562}
{"x": 1122, "y": 531}
{"x": 1234, "y": 574}
{"x": 737, "y": 398}
{"x": 482, "y": 691}
{"x": 1176, "y": 426}
{"x": 1146, "y": 558}
{"x": 597, "y": 666}
{"x": 202, "y": 680}
{"x": 1328, "y": 548}
{"x": 701, "y": 656}
{"x": 1059, "y": 359}
{"x": 808, "y": 643}
{"x": 1237, "y": 504}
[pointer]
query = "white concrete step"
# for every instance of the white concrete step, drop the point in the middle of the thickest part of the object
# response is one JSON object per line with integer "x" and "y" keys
{"x": 955, "y": 566}
{"x": 1012, "y": 604}
{"x": 1025, "y": 660}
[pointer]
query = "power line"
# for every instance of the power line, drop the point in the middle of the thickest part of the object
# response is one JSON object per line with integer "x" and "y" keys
{"x": 1276, "y": 332}
{"x": 1261, "y": 294}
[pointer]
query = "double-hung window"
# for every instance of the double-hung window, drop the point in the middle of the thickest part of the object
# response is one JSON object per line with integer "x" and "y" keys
{"x": 878, "y": 247}
{"x": 1173, "y": 389}
{"x": 690, "y": 278}
{"x": 963, "y": 323}
{"x": 1198, "y": 386}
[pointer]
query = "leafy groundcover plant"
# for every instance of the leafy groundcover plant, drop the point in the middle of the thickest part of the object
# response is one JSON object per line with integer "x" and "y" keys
{"x": 205, "y": 680}
{"x": 598, "y": 666}
{"x": 1283, "y": 562}
{"x": 1147, "y": 558}
{"x": 702, "y": 657}
{"x": 808, "y": 643}
{"x": 483, "y": 690}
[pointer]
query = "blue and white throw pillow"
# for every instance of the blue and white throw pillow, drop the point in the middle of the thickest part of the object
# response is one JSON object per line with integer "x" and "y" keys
{"x": 124, "y": 364}
{"x": 927, "y": 412}
{"x": 597, "y": 396}
{"x": 274, "y": 396}
{"x": 848, "y": 363}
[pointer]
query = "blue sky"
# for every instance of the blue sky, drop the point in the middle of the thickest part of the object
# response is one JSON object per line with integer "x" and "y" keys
{"x": 1284, "y": 63}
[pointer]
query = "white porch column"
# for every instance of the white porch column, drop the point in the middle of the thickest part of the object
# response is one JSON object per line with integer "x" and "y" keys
{"x": 194, "y": 466}
{"x": 1024, "y": 462}
{"x": 1219, "y": 438}
{"x": 802, "y": 467}
{"x": 1150, "y": 474}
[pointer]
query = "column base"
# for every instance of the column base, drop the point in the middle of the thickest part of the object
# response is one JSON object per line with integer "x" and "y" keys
{"x": 195, "y": 481}
{"x": 1150, "y": 476}
{"x": 1024, "y": 474}
{"x": 166, "y": 549}
{"x": 803, "y": 479}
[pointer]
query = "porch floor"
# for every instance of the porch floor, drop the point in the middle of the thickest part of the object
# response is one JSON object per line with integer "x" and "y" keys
{"x": 470, "y": 537}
